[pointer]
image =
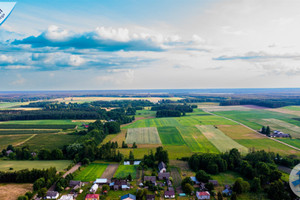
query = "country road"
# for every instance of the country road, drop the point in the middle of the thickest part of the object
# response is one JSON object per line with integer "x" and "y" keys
{"x": 252, "y": 130}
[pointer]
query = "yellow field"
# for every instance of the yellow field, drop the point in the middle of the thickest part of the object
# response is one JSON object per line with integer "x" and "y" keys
{"x": 239, "y": 132}
{"x": 13, "y": 191}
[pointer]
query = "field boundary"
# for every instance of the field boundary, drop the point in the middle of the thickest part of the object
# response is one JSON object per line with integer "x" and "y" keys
{"x": 254, "y": 130}
{"x": 20, "y": 143}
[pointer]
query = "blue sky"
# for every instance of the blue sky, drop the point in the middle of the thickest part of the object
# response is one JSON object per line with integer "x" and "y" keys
{"x": 139, "y": 44}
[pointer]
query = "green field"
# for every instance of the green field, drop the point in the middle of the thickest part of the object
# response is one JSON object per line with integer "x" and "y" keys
{"x": 5, "y": 140}
{"x": 147, "y": 135}
{"x": 41, "y": 164}
{"x": 220, "y": 140}
{"x": 145, "y": 113}
{"x": 125, "y": 170}
{"x": 169, "y": 135}
{"x": 91, "y": 172}
{"x": 39, "y": 124}
{"x": 26, "y": 131}
{"x": 294, "y": 108}
{"x": 50, "y": 141}
{"x": 293, "y": 142}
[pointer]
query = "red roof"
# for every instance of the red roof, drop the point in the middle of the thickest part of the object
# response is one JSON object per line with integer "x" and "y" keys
{"x": 203, "y": 193}
{"x": 92, "y": 196}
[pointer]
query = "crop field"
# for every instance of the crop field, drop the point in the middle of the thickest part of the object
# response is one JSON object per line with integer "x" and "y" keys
{"x": 170, "y": 135}
{"x": 12, "y": 191}
{"x": 220, "y": 140}
{"x": 26, "y": 131}
{"x": 147, "y": 135}
{"x": 295, "y": 108}
{"x": 195, "y": 140}
{"x": 60, "y": 165}
{"x": 50, "y": 141}
{"x": 293, "y": 142}
{"x": 36, "y": 126}
{"x": 225, "y": 108}
{"x": 91, "y": 172}
{"x": 145, "y": 113}
{"x": 239, "y": 132}
{"x": 5, "y": 140}
{"x": 124, "y": 170}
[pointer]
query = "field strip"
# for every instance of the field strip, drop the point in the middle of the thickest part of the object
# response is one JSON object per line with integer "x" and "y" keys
{"x": 148, "y": 135}
{"x": 256, "y": 131}
{"x": 219, "y": 139}
{"x": 110, "y": 171}
{"x": 285, "y": 125}
{"x": 20, "y": 143}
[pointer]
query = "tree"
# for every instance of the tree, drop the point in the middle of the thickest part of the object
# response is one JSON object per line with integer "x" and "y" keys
{"x": 237, "y": 186}
{"x": 57, "y": 154}
{"x": 213, "y": 168}
{"x": 39, "y": 183}
{"x": 255, "y": 185}
{"x": 42, "y": 192}
{"x": 131, "y": 156}
{"x": 263, "y": 130}
{"x": 22, "y": 198}
{"x": 129, "y": 177}
{"x": 105, "y": 188}
{"x": 277, "y": 191}
{"x": 141, "y": 194}
{"x": 233, "y": 196}
{"x": 185, "y": 181}
{"x": 220, "y": 196}
{"x": 124, "y": 145}
{"x": 134, "y": 146}
{"x": 209, "y": 186}
{"x": 202, "y": 176}
{"x": 268, "y": 131}
{"x": 188, "y": 188}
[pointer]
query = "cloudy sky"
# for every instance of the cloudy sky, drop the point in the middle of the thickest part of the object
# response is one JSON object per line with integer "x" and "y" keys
{"x": 142, "y": 44}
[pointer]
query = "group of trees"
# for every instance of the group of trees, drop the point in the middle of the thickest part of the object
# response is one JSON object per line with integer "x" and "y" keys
{"x": 257, "y": 166}
{"x": 266, "y": 131}
{"x": 151, "y": 160}
{"x": 270, "y": 103}
{"x": 169, "y": 110}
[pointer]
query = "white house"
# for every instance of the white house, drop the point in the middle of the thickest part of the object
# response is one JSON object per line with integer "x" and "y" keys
{"x": 101, "y": 181}
{"x": 94, "y": 188}
{"x": 52, "y": 195}
{"x": 162, "y": 167}
{"x": 136, "y": 162}
{"x": 169, "y": 194}
{"x": 66, "y": 197}
{"x": 126, "y": 162}
{"x": 203, "y": 195}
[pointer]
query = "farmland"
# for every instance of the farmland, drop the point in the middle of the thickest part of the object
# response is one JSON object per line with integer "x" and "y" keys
{"x": 60, "y": 165}
{"x": 91, "y": 172}
{"x": 26, "y": 131}
{"x": 5, "y": 140}
{"x": 125, "y": 170}
{"x": 147, "y": 135}
{"x": 13, "y": 191}
{"x": 170, "y": 135}
{"x": 220, "y": 140}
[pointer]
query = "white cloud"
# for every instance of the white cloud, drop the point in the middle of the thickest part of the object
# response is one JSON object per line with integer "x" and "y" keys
{"x": 55, "y": 33}
{"x": 76, "y": 60}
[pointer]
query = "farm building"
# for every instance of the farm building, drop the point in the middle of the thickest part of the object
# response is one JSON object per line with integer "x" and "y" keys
{"x": 136, "y": 162}
{"x": 66, "y": 197}
{"x": 73, "y": 184}
{"x": 101, "y": 181}
{"x": 214, "y": 182}
{"x": 194, "y": 180}
{"x": 94, "y": 188}
{"x": 280, "y": 134}
{"x": 92, "y": 197}
{"x": 119, "y": 185}
{"x": 162, "y": 167}
{"x": 128, "y": 197}
{"x": 203, "y": 195}
{"x": 126, "y": 162}
{"x": 151, "y": 179}
{"x": 164, "y": 176}
{"x": 169, "y": 194}
{"x": 150, "y": 197}
{"x": 52, "y": 195}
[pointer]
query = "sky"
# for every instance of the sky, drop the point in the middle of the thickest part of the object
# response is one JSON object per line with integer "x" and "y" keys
{"x": 157, "y": 44}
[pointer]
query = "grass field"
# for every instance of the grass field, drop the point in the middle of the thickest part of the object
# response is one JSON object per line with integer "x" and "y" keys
{"x": 5, "y": 140}
{"x": 147, "y": 135}
{"x": 41, "y": 164}
{"x": 13, "y": 191}
{"x": 125, "y": 170}
{"x": 283, "y": 126}
{"x": 220, "y": 140}
{"x": 27, "y": 131}
{"x": 39, "y": 124}
{"x": 169, "y": 135}
{"x": 295, "y": 108}
{"x": 50, "y": 141}
{"x": 293, "y": 142}
{"x": 145, "y": 113}
{"x": 239, "y": 132}
{"x": 91, "y": 172}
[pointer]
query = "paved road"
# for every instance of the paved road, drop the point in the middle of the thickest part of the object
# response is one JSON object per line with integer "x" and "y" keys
{"x": 253, "y": 130}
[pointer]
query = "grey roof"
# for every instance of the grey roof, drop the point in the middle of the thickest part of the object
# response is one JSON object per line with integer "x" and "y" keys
{"x": 169, "y": 193}
{"x": 52, "y": 193}
{"x": 74, "y": 183}
{"x": 131, "y": 196}
{"x": 164, "y": 175}
{"x": 150, "y": 178}
{"x": 150, "y": 196}
{"x": 161, "y": 165}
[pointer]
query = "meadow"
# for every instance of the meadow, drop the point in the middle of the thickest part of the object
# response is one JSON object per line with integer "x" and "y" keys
{"x": 16, "y": 165}
{"x": 91, "y": 172}
{"x": 26, "y": 131}
{"x": 124, "y": 170}
{"x": 293, "y": 142}
{"x": 148, "y": 135}
{"x": 220, "y": 140}
{"x": 5, "y": 140}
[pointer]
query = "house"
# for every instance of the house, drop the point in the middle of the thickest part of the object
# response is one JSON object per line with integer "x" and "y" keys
{"x": 162, "y": 167}
{"x": 73, "y": 184}
{"x": 203, "y": 195}
{"x": 9, "y": 152}
{"x": 67, "y": 197}
{"x": 164, "y": 176}
{"x": 170, "y": 189}
{"x": 136, "y": 162}
{"x": 169, "y": 194}
{"x": 128, "y": 197}
{"x": 151, "y": 179}
{"x": 101, "y": 181}
{"x": 119, "y": 185}
{"x": 194, "y": 180}
{"x": 126, "y": 162}
{"x": 94, "y": 188}
{"x": 52, "y": 195}
{"x": 92, "y": 197}
{"x": 150, "y": 197}
{"x": 169, "y": 183}
{"x": 214, "y": 182}
{"x": 227, "y": 192}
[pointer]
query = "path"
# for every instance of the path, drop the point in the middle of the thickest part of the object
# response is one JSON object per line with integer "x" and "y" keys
{"x": 110, "y": 171}
{"x": 73, "y": 169}
{"x": 253, "y": 130}
{"x": 20, "y": 143}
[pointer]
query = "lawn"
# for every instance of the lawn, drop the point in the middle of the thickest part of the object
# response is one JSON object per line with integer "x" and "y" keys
{"x": 220, "y": 140}
{"x": 5, "y": 140}
{"x": 125, "y": 170}
{"x": 226, "y": 178}
{"x": 147, "y": 135}
{"x": 50, "y": 141}
{"x": 41, "y": 164}
{"x": 169, "y": 135}
{"x": 91, "y": 172}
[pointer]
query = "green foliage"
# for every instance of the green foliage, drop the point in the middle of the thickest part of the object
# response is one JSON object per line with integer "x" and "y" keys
{"x": 255, "y": 185}
{"x": 202, "y": 176}
{"x": 185, "y": 185}
{"x": 22, "y": 198}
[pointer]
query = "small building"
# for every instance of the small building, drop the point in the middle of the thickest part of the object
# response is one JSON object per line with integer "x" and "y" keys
{"x": 162, "y": 167}
{"x": 164, "y": 176}
{"x": 73, "y": 184}
{"x": 214, "y": 182}
{"x": 126, "y": 162}
{"x": 128, "y": 197}
{"x": 227, "y": 192}
{"x": 101, "y": 181}
{"x": 94, "y": 188}
{"x": 169, "y": 183}
{"x": 151, "y": 179}
{"x": 169, "y": 194}
{"x": 9, "y": 152}
{"x": 136, "y": 162}
{"x": 67, "y": 197}
{"x": 92, "y": 197}
{"x": 194, "y": 180}
{"x": 52, "y": 195}
{"x": 119, "y": 185}
{"x": 203, "y": 195}
{"x": 150, "y": 197}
